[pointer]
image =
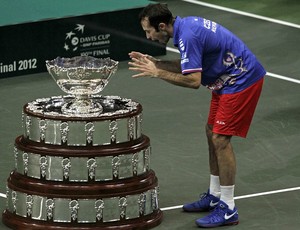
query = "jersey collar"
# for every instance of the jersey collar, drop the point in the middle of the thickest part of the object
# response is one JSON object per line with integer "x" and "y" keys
{"x": 176, "y": 31}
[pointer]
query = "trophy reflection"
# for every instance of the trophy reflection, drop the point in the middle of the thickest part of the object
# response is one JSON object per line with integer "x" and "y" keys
{"x": 82, "y": 77}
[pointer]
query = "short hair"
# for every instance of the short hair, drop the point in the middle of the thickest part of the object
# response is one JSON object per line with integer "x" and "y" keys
{"x": 156, "y": 13}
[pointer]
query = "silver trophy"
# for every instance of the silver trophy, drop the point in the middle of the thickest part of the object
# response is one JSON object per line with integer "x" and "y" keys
{"x": 82, "y": 77}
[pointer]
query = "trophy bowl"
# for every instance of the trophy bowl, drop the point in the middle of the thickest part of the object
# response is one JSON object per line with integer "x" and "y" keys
{"x": 82, "y": 77}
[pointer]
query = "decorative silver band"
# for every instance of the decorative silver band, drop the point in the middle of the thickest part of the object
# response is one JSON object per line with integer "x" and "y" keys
{"x": 82, "y": 210}
{"x": 82, "y": 133}
{"x": 82, "y": 169}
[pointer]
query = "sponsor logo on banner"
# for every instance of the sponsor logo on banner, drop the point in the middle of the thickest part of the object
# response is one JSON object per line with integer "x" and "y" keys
{"x": 78, "y": 40}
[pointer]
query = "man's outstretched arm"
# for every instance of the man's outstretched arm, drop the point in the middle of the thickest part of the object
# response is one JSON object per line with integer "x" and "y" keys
{"x": 147, "y": 67}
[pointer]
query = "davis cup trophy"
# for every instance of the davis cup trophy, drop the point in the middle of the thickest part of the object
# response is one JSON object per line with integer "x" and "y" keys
{"x": 82, "y": 76}
{"x": 82, "y": 162}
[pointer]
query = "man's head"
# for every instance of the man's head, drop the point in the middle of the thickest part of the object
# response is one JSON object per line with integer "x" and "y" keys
{"x": 157, "y": 22}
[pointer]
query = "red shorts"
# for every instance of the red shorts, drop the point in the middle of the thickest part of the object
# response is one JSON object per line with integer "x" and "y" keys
{"x": 231, "y": 114}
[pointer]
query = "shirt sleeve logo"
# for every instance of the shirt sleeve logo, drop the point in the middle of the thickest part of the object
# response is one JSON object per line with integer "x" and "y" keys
{"x": 184, "y": 57}
{"x": 208, "y": 24}
{"x": 181, "y": 45}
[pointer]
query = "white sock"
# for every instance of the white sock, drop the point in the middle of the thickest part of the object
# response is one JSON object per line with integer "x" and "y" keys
{"x": 214, "y": 186}
{"x": 227, "y": 196}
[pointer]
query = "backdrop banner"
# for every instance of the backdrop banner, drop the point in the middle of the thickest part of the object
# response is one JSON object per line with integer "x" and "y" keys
{"x": 25, "y": 47}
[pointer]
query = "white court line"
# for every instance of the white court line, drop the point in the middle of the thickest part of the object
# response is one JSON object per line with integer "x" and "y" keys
{"x": 245, "y": 196}
{"x": 283, "y": 77}
{"x": 268, "y": 73}
{"x": 244, "y": 13}
{"x": 236, "y": 198}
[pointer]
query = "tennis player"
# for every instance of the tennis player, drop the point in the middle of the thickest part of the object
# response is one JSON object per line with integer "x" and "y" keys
{"x": 212, "y": 56}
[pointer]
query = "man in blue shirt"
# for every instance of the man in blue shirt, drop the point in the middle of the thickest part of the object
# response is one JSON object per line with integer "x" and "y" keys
{"x": 214, "y": 57}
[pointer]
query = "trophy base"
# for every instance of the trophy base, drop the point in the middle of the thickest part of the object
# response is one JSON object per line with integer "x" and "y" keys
{"x": 35, "y": 204}
{"x": 82, "y": 172}
{"x": 83, "y": 107}
{"x": 22, "y": 223}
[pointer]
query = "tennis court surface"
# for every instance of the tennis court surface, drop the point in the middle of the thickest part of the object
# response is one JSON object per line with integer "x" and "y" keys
{"x": 268, "y": 174}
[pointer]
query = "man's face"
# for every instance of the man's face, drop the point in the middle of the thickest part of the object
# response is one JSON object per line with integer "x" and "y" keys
{"x": 161, "y": 36}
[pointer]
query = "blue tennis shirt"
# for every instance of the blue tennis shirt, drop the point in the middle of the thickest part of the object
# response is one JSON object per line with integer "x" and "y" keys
{"x": 226, "y": 63}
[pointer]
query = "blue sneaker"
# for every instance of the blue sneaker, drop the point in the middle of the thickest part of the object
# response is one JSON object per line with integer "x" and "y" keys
{"x": 220, "y": 216}
{"x": 206, "y": 203}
